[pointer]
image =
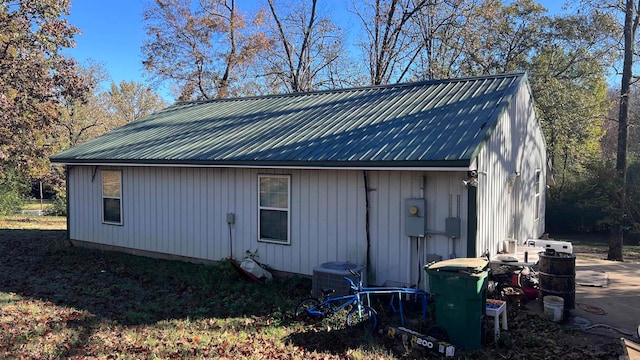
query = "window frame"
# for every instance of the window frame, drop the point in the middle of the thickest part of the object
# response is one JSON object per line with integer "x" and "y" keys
{"x": 288, "y": 209}
{"x": 104, "y": 197}
{"x": 536, "y": 194}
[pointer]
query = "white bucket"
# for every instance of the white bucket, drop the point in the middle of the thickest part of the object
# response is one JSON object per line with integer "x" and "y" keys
{"x": 553, "y": 307}
{"x": 510, "y": 246}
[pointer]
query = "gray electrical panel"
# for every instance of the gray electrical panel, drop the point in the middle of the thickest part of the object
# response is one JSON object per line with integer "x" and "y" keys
{"x": 415, "y": 217}
{"x": 452, "y": 227}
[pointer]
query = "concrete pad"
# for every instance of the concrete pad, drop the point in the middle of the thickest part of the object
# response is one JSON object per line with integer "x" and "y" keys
{"x": 620, "y": 299}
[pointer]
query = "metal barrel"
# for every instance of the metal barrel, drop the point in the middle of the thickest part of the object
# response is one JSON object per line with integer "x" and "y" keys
{"x": 557, "y": 276}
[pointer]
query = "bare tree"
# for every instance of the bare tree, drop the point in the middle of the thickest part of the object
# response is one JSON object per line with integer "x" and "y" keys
{"x": 443, "y": 26}
{"x": 391, "y": 44}
{"x": 82, "y": 119}
{"x": 503, "y": 37}
{"x": 198, "y": 46}
{"x": 309, "y": 50}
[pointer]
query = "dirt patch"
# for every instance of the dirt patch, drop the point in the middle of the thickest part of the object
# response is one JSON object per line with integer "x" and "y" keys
{"x": 532, "y": 336}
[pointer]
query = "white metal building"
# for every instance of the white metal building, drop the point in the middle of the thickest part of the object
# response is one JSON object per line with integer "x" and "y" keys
{"x": 385, "y": 176}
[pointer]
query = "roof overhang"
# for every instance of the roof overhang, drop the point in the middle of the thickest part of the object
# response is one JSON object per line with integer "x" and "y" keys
{"x": 440, "y": 165}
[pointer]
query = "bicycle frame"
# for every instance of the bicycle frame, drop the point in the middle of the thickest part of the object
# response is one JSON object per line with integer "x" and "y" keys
{"x": 327, "y": 306}
{"x": 396, "y": 293}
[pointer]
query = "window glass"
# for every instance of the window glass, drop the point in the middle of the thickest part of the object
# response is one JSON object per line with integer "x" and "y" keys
{"x": 274, "y": 225}
{"x": 273, "y": 208}
{"x": 112, "y": 210}
{"x": 111, "y": 197}
{"x": 111, "y": 183}
{"x": 274, "y": 192}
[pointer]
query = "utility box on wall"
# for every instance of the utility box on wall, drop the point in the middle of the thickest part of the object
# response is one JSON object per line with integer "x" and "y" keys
{"x": 415, "y": 217}
{"x": 452, "y": 226}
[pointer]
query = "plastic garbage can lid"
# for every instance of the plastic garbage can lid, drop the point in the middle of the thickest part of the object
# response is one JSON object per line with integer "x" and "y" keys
{"x": 467, "y": 264}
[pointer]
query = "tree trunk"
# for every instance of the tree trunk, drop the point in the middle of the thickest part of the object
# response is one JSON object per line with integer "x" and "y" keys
{"x": 620, "y": 197}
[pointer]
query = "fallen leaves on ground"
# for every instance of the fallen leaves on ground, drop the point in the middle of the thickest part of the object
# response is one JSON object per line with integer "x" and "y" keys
{"x": 64, "y": 302}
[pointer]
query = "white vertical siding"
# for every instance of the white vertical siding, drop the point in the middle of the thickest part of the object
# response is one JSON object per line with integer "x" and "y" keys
{"x": 506, "y": 208}
{"x": 182, "y": 211}
{"x": 394, "y": 256}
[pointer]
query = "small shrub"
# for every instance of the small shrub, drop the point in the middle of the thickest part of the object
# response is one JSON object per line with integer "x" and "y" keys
{"x": 59, "y": 205}
{"x": 12, "y": 188}
{"x": 10, "y": 202}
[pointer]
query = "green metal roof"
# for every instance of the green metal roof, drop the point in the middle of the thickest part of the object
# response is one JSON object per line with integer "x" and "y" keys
{"x": 431, "y": 123}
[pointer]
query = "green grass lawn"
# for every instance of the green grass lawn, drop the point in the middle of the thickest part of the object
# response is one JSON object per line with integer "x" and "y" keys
{"x": 35, "y": 205}
{"x": 58, "y": 301}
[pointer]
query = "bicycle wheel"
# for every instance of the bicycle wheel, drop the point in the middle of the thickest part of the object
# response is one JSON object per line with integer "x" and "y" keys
{"x": 303, "y": 307}
{"x": 362, "y": 317}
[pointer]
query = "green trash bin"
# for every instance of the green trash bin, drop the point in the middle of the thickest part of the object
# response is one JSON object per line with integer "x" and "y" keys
{"x": 460, "y": 290}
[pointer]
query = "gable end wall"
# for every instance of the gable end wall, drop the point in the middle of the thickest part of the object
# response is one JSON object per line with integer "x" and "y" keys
{"x": 506, "y": 172}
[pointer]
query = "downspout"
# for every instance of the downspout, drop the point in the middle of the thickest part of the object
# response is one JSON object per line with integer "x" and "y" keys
{"x": 366, "y": 217}
{"x": 472, "y": 221}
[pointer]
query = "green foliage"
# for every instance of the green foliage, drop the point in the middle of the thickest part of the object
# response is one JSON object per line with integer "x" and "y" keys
{"x": 571, "y": 112}
{"x": 581, "y": 205}
{"x": 35, "y": 78}
{"x": 254, "y": 255}
{"x": 567, "y": 73}
{"x": 584, "y": 203}
{"x": 59, "y": 205}
{"x": 130, "y": 100}
{"x": 13, "y": 188}
{"x": 631, "y": 222}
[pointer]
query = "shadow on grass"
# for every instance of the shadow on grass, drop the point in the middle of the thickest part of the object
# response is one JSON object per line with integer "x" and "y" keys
{"x": 333, "y": 341}
{"x": 130, "y": 289}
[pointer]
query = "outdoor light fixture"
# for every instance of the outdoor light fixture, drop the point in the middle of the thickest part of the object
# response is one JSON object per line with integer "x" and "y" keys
{"x": 470, "y": 182}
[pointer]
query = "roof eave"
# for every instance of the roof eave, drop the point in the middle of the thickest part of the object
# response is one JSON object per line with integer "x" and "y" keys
{"x": 426, "y": 165}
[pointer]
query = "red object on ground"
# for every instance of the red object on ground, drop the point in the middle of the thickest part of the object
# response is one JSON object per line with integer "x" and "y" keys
{"x": 528, "y": 291}
{"x": 245, "y": 274}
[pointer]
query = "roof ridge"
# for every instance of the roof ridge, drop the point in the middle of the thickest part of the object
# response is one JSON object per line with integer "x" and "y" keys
{"x": 353, "y": 89}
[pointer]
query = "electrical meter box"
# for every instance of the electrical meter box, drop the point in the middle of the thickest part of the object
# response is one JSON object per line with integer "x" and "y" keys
{"x": 415, "y": 217}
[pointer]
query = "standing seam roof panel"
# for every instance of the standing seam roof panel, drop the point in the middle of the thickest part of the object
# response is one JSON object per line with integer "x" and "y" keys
{"x": 417, "y": 122}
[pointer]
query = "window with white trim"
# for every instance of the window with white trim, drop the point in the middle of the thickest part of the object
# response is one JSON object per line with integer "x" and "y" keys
{"x": 536, "y": 190}
{"x": 112, "y": 197}
{"x": 273, "y": 208}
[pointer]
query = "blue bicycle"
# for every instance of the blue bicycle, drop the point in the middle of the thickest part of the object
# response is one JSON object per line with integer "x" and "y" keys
{"x": 360, "y": 316}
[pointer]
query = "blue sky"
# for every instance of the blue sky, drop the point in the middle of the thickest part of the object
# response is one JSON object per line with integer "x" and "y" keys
{"x": 113, "y": 33}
